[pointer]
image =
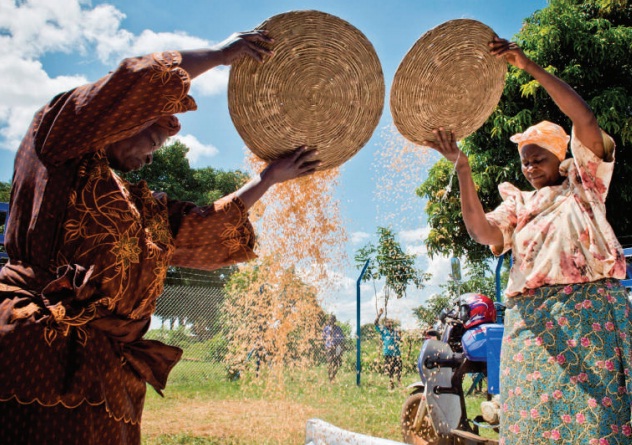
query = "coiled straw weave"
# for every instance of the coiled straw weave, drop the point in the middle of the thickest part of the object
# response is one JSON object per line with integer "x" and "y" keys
{"x": 447, "y": 79}
{"x": 323, "y": 88}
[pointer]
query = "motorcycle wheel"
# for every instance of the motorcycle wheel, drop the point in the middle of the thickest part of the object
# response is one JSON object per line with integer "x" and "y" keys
{"x": 424, "y": 433}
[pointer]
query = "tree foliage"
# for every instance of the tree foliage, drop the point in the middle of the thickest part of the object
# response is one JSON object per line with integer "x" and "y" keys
{"x": 171, "y": 173}
{"x": 480, "y": 279}
{"x": 5, "y": 191}
{"x": 587, "y": 44}
{"x": 389, "y": 261}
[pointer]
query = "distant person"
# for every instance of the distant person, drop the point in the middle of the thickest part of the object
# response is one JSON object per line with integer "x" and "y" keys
{"x": 334, "y": 340}
{"x": 390, "y": 349}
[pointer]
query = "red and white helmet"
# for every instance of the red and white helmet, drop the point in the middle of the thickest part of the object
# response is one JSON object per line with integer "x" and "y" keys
{"x": 475, "y": 309}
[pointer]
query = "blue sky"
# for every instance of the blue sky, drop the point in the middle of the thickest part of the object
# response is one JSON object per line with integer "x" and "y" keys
{"x": 48, "y": 46}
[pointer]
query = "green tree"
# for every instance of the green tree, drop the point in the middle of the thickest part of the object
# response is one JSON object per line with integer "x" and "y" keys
{"x": 5, "y": 191}
{"x": 389, "y": 261}
{"x": 171, "y": 173}
{"x": 585, "y": 43}
{"x": 214, "y": 184}
{"x": 480, "y": 279}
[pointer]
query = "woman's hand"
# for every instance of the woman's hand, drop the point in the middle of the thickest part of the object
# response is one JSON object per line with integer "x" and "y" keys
{"x": 243, "y": 44}
{"x": 510, "y": 51}
{"x": 446, "y": 145}
{"x": 303, "y": 161}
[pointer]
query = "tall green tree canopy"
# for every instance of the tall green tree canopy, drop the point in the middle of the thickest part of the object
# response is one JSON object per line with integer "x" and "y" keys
{"x": 587, "y": 43}
{"x": 171, "y": 173}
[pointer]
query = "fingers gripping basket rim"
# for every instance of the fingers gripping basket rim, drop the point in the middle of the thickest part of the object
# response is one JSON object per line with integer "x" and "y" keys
{"x": 323, "y": 88}
{"x": 447, "y": 79}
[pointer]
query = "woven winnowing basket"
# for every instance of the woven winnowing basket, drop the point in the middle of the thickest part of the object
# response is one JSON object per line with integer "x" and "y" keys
{"x": 447, "y": 79}
{"x": 323, "y": 88}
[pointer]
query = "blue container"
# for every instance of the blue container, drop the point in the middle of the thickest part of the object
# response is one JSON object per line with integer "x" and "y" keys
{"x": 482, "y": 344}
{"x": 494, "y": 340}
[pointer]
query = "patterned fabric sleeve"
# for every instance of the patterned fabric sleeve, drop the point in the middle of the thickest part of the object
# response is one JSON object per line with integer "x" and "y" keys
{"x": 115, "y": 107}
{"x": 504, "y": 217}
{"x": 594, "y": 173}
{"x": 212, "y": 236}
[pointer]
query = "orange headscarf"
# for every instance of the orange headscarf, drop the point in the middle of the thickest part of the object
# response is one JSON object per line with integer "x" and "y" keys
{"x": 547, "y": 135}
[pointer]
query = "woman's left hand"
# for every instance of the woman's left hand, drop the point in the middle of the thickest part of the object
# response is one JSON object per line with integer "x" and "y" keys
{"x": 303, "y": 161}
{"x": 446, "y": 145}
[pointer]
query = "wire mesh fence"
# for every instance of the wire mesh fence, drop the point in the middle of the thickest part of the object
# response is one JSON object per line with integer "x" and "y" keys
{"x": 197, "y": 319}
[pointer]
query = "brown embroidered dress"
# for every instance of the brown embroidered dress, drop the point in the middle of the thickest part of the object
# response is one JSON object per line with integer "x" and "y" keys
{"x": 89, "y": 254}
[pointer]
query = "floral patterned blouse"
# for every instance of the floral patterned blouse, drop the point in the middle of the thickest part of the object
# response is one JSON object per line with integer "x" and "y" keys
{"x": 560, "y": 234}
{"x": 89, "y": 251}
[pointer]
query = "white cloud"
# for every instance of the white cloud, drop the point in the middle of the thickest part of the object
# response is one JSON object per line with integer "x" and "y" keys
{"x": 359, "y": 237}
{"x": 40, "y": 26}
{"x": 197, "y": 149}
{"x": 147, "y": 42}
{"x": 439, "y": 267}
{"x": 212, "y": 82}
{"x": 413, "y": 241}
{"x": 33, "y": 29}
{"x": 24, "y": 88}
{"x": 418, "y": 250}
{"x": 415, "y": 235}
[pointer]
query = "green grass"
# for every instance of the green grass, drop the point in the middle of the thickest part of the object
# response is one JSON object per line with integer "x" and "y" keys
{"x": 369, "y": 409}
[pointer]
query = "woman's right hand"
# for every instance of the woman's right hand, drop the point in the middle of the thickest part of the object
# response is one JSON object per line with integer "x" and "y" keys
{"x": 242, "y": 44}
{"x": 303, "y": 161}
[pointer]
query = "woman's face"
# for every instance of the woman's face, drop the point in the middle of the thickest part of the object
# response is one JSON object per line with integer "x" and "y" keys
{"x": 137, "y": 151}
{"x": 540, "y": 166}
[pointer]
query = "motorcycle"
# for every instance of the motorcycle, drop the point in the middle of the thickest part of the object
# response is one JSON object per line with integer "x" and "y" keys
{"x": 435, "y": 412}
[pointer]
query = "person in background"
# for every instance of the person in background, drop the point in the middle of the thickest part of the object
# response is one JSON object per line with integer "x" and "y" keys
{"x": 334, "y": 340}
{"x": 566, "y": 353}
{"x": 89, "y": 251}
{"x": 391, "y": 340}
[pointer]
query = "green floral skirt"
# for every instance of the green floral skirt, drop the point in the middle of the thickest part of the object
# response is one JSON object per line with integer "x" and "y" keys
{"x": 565, "y": 366}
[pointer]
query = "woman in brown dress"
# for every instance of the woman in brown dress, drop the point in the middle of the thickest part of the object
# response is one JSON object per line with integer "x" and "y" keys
{"x": 89, "y": 251}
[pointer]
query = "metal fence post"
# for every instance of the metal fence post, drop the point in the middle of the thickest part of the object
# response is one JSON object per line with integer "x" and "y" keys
{"x": 358, "y": 346}
{"x": 499, "y": 268}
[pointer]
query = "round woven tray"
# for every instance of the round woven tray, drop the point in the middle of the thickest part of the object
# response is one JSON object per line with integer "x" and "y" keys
{"x": 447, "y": 79}
{"x": 323, "y": 88}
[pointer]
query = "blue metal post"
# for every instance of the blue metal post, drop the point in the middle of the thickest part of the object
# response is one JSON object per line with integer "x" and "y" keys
{"x": 499, "y": 267}
{"x": 358, "y": 362}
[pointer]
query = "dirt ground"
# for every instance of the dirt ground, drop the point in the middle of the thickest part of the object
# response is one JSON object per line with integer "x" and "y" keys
{"x": 248, "y": 421}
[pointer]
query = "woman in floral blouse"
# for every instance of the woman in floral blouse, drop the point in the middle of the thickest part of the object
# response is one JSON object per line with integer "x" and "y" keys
{"x": 89, "y": 251}
{"x": 565, "y": 361}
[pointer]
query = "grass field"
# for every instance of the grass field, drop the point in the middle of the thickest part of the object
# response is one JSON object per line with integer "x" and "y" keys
{"x": 201, "y": 406}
